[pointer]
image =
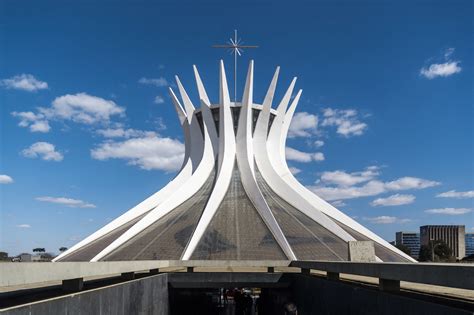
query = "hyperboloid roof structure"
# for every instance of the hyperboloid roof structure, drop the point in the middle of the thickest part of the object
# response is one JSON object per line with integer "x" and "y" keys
{"x": 234, "y": 197}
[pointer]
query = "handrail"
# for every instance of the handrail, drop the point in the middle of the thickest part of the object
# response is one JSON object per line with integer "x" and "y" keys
{"x": 448, "y": 275}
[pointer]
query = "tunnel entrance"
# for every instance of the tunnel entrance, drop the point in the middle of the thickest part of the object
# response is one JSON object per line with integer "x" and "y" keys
{"x": 231, "y": 301}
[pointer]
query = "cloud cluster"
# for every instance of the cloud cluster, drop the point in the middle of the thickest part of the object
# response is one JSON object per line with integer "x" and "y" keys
{"x": 303, "y": 157}
{"x": 5, "y": 179}
{"x": 342, "y": 178}
{"x": 346, "y": 121}
{"x": 158, "y": 82}
{"x": 384, "y": 219}
{"x": 148, "y": 152}
{"x": 318, "y": 143}
{"x": 449, "y": 211}
{"x": 303, "y": 124}
{"x": 79, "y": 108}
{"x": 445, "y": 69}
{"x": 23, "y": 226}
{"x": 43, "y": 150}
{"x": 36, "y": 122}
{"x": 124, "y": 133}
{"x": 25, "y": 82}
{"x": 393, "y": 200}
{"x": 159, "y": 100}
{"x": 83, "y": 108}
{"x": 69, "y": 202}
{"x": 339, "y": 185}
{"x": 457, "y": 194}
{"x": 441, "y": 70}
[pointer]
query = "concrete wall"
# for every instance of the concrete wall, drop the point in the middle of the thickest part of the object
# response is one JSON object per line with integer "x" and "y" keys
{"x": 311, "y": 294}
{"x": 142, "y": 296}
{"x": 314, "y": 295}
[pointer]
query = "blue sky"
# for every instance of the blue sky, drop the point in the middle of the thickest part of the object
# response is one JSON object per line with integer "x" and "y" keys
{"x": 384, "y": 129}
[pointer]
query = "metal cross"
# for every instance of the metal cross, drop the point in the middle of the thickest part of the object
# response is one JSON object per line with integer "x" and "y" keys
{"x": 235, "y": 47}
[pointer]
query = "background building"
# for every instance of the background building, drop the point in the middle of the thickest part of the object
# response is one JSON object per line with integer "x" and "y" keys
{"x": 410, "y": 240}
{"x": 452, "y": 235}
{"x": 469, "y": 243}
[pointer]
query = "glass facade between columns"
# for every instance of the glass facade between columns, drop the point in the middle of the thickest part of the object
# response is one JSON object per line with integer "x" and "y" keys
{"x": 308, "y": 239}
{"x": 237, "y": 232}
{"x": 89, "y": 251}
{"x": 167, "y": 238}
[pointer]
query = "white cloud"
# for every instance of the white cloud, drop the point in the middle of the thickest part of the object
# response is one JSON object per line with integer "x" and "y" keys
{"x": 295, "y": 170}
{"x": 82, "y": 108}
{"x": 449, "y": 211}
{"x": 5, "y": 179}
{"x": 44, "y": 150}
{"x": 25, "y": 82}
{"x": 338, "y": 203}
{"x": 338, "y": 185}
{"x": 318, "y": 143}
{"x": 79, "y": 108}
{"x": 441, "y": 69}
{"x": 159, "y": 100}
{"x": 303, "y": 125}
{"x": 124, "y": 133}
{"x": 23, "y": 226}
{"x": 448, "y": 53}
{"x": 456, "y": 194}
{"x": 158, "y": 82}
{"x": 405, "y": 183}
{"x": 371, "y": 188}
{"x": 342, "y": 178}
{"x": 36, "y": 122}
{"x": 150, "y": 152}
{"x": 384, "y": 219}
{"x": 303, "y": 157}
{"x": 393, "y": 200}
{"x": 69, "y": 202}
{"x": 345, "y": 120}
{"x": 445, "y": 69}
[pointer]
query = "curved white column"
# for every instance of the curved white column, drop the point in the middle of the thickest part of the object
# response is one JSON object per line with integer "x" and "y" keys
{"x": 154, "y": 200}
{"x": 205, "y": 166}
{"x": 279, "y": 132}
{"x": 206, "y": 113}
{"x": 245, "y": 161}
{"x": 270, "y": 175}
{"x": 227, "y": 150}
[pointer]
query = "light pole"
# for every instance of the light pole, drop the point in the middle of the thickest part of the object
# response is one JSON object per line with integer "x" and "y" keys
{"x": 433, "y": 246}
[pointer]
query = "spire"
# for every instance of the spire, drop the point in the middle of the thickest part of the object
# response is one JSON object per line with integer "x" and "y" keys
{"x": 178, "y": 107}
{"x": 188, "y": 105}
{"x": 200, "y": 87}
{"x": 286, "y": 99}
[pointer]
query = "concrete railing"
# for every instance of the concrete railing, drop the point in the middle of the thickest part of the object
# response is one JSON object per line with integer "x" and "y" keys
{"x": 14, "y": 274}
{"x": 390, "y": 274}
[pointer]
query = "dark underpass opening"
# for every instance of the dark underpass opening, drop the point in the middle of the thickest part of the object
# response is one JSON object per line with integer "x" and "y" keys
{"x": 231, "y": 301}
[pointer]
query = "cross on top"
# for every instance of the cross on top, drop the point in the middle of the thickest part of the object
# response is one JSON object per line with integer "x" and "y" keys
{"x": 235, "y": 47}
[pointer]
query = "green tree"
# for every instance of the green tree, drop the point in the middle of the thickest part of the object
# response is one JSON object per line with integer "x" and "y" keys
{"x": 39, "y": 250}
{"x": 404, "y": 248}
{"x": 62, "y": 249}
{"x": 438, "y": 250}
{"x": 425, "y": 253}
